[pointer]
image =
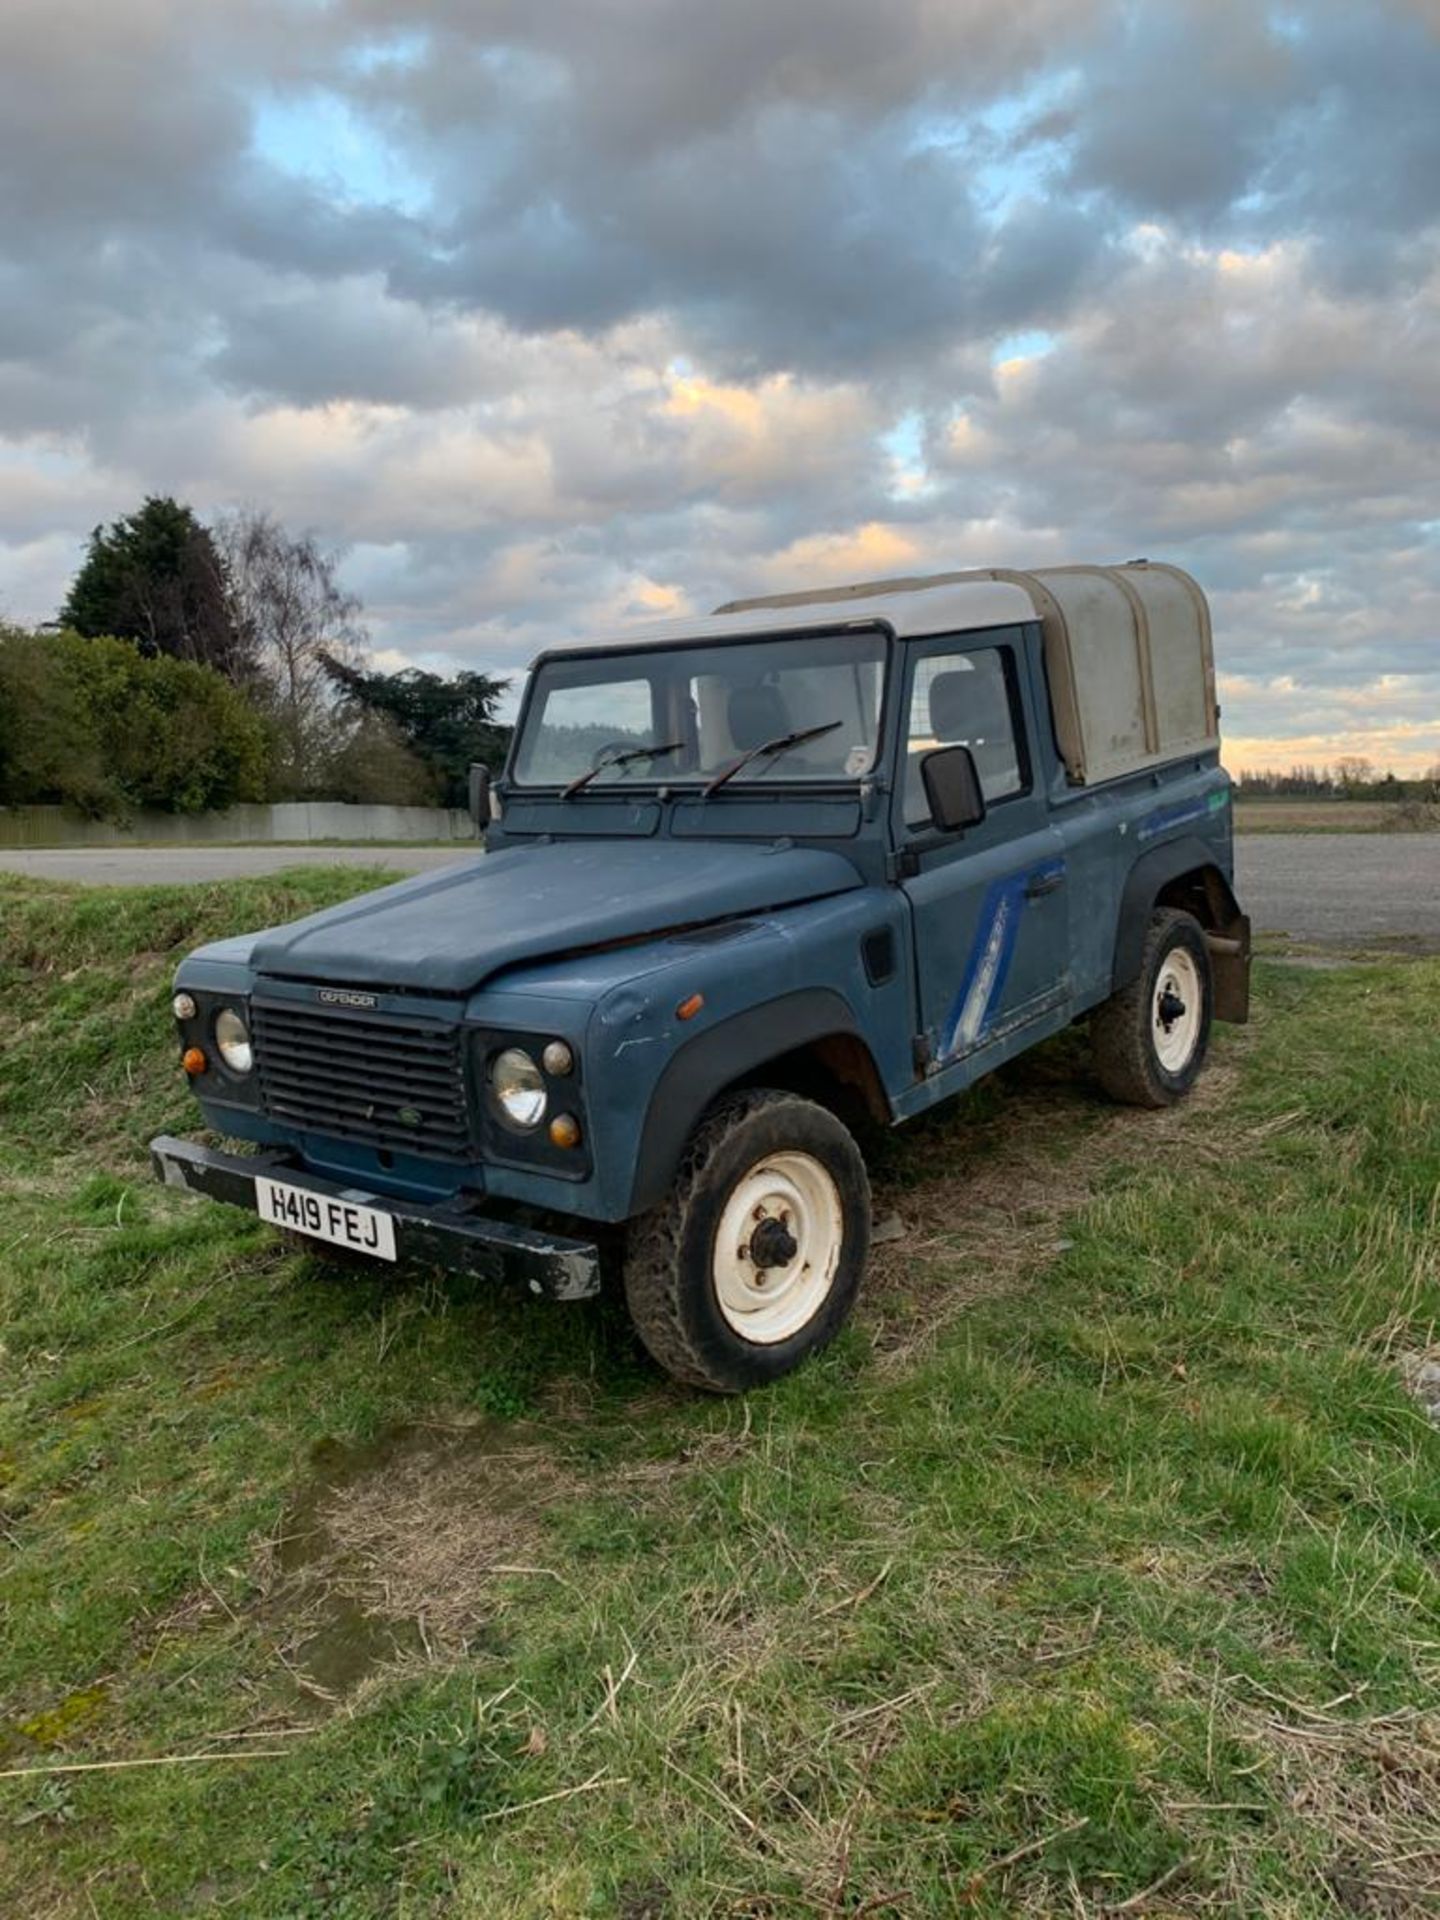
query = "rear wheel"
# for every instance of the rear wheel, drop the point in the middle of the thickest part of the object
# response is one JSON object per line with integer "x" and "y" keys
{"x": 754, "y": 1259}
{"x": 1150, "y": 1039}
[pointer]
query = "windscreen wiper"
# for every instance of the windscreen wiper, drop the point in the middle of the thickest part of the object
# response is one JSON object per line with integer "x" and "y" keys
{"x": 620, "y": 760}
{"x": 767, "y": 748}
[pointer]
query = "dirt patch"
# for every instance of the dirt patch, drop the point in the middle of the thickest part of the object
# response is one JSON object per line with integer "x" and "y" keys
{"x": 407, "y": 1548}
{"x": 390, "y": 1552}
{"x": 430, "y": 1532}
{"x": 981, "y": 1193}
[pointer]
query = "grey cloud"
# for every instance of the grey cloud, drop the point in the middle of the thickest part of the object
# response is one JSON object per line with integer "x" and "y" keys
{"x": 1176, "y": 111}
{"x": 763, "y": 172}
{"x": 107, "y": 117}
{"x": 1263, "y": 121}
{"x": 1359, "y": 160}
{"x": 305, "y": 345}
{"x": 640, "y": 79}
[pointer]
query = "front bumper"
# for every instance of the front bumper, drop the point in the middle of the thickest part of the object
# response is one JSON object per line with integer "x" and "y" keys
{"x": 449, "y": 1234}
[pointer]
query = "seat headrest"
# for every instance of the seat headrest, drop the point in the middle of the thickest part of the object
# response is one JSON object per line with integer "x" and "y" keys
{"x": 952, "y": 705}
{"x": 756, "y": 714}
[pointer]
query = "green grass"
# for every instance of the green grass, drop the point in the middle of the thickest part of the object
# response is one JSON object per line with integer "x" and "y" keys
{"x": 1098, "y": 1557}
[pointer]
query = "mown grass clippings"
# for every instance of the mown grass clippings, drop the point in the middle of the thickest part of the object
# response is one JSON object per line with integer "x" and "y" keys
{"x": 1094, "y": 1570}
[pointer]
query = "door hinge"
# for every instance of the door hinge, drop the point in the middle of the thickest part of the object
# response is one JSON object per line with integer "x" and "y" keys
{"x": 903, "y": 864}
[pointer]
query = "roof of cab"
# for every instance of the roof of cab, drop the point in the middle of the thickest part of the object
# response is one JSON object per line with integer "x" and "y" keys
{"x": 909, "y": 610}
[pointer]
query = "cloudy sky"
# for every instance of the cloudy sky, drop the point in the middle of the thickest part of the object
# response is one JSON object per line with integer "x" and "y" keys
{"x": 558, "y": 313}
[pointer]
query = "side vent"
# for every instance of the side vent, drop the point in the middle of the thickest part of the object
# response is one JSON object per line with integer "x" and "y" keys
{"x": 712, "y": 936}
{"x": 877, "y": 950}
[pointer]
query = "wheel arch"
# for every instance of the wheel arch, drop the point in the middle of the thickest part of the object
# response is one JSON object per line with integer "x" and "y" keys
{"x": 1184, "y": 873}
{"x": 807, "y": 1042}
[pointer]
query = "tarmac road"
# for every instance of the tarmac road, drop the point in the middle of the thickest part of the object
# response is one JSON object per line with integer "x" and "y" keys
{"x": 1349, "y": 890}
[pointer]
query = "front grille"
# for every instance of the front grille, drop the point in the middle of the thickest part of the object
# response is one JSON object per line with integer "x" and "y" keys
{"x": 389, "y": 1083}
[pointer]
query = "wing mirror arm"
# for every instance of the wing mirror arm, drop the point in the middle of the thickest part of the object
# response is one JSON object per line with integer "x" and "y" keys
{"x": 480, "y": 797}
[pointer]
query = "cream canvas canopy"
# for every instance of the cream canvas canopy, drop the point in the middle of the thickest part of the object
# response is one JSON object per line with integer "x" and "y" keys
{"x": 1129, "y": 654}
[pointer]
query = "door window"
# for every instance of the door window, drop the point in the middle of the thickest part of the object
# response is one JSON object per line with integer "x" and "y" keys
{"x": 966, "y": 700}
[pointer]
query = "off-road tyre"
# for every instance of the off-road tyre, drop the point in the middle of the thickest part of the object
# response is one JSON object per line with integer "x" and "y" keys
{"x": 672, "y": 1260}
{"x": 1126, "y": 1033}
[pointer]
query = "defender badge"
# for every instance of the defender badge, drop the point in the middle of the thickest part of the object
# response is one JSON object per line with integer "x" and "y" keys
{"x": 345, "y": 997}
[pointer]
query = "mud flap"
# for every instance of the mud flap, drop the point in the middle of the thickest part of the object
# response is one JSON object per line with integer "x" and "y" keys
{"x": 1230, "y": 968}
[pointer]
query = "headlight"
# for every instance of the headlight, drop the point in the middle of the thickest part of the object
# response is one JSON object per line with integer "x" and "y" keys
{"x": 519, "y": 1088}
{"x": 232, "y": 1038}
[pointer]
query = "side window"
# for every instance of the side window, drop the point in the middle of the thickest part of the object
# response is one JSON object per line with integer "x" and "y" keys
{"x": 966, "y": 700}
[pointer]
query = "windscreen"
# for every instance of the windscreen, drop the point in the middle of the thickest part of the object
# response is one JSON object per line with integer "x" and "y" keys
{"x": 692, "y": 713}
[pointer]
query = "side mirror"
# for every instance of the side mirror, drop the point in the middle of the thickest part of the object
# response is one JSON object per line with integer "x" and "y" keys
{"x": 952, "y": 789}
{"x": 480, "y": 796}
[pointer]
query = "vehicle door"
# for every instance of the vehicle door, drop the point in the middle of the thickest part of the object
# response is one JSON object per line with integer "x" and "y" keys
{"x": 989, "y": 904}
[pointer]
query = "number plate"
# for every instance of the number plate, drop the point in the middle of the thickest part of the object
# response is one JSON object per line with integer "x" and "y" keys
{"x": 323, "y": 1217}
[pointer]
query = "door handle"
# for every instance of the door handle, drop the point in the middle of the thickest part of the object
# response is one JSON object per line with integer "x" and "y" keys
{"x": 1045, "y": 883}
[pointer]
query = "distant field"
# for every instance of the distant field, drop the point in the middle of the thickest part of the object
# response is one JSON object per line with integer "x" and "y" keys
{"x": 1335, "y": 816}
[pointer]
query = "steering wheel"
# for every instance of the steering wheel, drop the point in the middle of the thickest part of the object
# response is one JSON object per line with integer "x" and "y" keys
{"x": 611, "y": 747}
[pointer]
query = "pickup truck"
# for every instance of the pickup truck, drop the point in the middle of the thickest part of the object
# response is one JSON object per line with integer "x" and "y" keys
{"x": 752, "y": 884}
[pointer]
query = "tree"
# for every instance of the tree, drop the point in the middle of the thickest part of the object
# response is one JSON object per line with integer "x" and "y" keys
{"x": 98, "y": 725}
{"x": 294, "y": 618}
{"x": 446, "y": 724}
{"x": 374, "y": 766}
{"x": 1354, "y": 772}
{"x": 156, "y": 579}
{"x": 48, "y": 748}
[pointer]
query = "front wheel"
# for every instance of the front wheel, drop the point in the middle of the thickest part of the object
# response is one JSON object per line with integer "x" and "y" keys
{"x": 1150, "y": 1039}
{"x": 754, "y": 1259}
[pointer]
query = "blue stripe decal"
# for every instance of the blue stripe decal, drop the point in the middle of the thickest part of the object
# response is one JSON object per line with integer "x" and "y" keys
{"x": 986, "y": 970}
{"x": 1167, "y": 818}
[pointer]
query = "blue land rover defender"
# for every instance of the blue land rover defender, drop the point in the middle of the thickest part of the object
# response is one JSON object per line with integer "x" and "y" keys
{"x": 749, "y": 882}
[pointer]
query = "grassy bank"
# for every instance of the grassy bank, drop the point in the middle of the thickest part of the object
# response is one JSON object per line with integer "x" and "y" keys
{"x": 1094, "y": 1571}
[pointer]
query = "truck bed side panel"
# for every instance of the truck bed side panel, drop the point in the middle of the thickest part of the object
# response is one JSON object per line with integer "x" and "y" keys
{"x": 1106, "y": 830}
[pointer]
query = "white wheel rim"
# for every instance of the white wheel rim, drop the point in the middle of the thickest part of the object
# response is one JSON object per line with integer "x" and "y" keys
{"x": 1176, "y": 1034}
{"x": 764, "y": 1295}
